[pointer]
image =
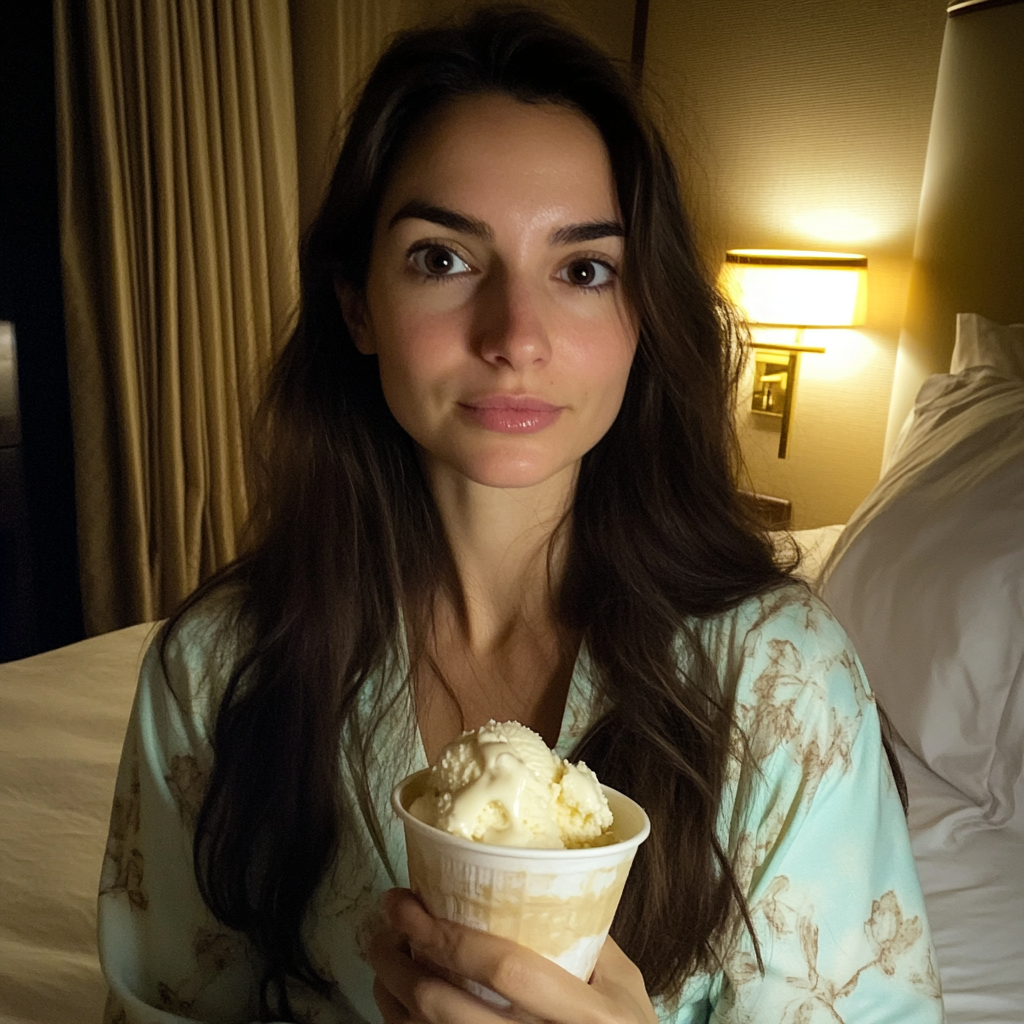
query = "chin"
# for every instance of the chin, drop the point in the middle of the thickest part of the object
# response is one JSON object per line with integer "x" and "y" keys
{"x": 511, "y": 473}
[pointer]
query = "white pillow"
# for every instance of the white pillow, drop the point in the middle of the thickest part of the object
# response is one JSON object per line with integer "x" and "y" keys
{"x": 980, "y": 342}
{"x": 929, "y": 582}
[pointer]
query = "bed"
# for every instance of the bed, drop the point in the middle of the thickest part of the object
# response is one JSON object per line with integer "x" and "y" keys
{"x": 62, "y": 721}
{"x": 928, "y": 578}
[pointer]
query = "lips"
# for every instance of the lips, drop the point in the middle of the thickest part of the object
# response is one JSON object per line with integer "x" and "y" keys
{"x": 511, "y": 414}
{"x": 521, "y": 402}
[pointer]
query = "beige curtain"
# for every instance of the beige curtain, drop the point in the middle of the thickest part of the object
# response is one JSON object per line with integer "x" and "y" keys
{"x": 179, "y": 214}
{"x": 335, "y": 44}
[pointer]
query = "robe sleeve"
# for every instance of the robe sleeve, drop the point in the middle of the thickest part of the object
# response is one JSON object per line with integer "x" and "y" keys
{"x": 165, "y": 957}
{"x": 818, "y": 840}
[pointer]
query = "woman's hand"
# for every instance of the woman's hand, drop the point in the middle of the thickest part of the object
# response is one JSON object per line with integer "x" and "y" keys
{"x": 418, "y": 990}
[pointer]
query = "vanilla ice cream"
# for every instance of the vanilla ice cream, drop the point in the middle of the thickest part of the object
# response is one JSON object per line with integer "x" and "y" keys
{"x": 501, "y": 785}
{"x": 504, "y": 836}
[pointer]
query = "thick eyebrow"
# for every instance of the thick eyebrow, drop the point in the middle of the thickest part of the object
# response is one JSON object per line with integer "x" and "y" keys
{"x": 445, "y": 217}
{"x": 573, "y": 234}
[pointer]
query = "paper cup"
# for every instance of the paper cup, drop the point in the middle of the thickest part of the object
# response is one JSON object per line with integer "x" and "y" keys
{"x": 559, "y": 903}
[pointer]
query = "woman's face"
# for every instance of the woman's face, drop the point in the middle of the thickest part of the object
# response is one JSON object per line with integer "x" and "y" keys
{"x": 493, "y": 301}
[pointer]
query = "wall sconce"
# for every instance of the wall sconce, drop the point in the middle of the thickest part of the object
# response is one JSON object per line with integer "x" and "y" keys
{"x": 791, "y": 288}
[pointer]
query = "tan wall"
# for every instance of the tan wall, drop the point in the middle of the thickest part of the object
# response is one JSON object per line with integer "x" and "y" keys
{"x": 804, "y": 125}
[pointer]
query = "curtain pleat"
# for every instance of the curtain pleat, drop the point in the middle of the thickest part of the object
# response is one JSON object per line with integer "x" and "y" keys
{"x": 179, "y": 216}
{"x": 335, "y": 44}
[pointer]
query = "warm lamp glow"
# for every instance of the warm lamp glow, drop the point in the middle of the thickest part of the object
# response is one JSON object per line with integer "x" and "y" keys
{"x": 791, "y": 288}
{"x": 788, "y": 287}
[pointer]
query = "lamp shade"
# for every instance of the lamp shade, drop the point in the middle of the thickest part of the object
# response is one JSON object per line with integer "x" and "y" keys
{"x": 793, "y": 288}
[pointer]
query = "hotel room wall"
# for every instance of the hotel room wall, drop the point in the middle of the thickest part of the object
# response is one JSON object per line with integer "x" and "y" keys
{"x": 804, "y": 125}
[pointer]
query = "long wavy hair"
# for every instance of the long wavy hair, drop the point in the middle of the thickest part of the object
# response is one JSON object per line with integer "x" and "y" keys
{"x": 347, "y": 541}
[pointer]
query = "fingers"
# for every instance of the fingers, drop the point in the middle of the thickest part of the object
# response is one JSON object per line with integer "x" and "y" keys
{"x": 619, "y": 980}
{"x": 526, "y": 979}
{"x": 405, "y": 990}
{"x": 613, "y": 965}
{"x": 390, "y": 1008}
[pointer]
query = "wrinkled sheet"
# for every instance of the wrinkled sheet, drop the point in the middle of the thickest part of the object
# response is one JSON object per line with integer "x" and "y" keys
{"x": 964, "y": 427}
{"x": 972, "y": 874}
{"x": 62, "y": 722}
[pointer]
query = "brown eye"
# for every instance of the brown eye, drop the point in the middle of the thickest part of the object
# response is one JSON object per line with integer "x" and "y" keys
{"x": 587, "y": 273}
{"x": 438, "y": 261}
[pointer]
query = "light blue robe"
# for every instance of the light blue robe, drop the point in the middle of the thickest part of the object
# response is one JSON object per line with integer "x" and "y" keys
{"x": 811, "y": 821}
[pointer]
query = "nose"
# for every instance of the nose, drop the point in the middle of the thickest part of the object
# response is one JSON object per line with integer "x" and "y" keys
{"x": 511, "y": 328}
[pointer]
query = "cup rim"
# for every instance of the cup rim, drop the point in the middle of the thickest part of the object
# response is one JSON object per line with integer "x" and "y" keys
{"x": 519, "y": 852}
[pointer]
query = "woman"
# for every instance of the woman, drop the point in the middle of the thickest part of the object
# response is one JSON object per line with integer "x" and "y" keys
{"x": 497, "y": 484}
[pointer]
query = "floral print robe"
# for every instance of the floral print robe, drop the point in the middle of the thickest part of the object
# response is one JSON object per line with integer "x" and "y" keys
{"x": 811, "y": 820}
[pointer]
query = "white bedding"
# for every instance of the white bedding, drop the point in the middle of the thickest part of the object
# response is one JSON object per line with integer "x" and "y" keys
{"x": 62, "y": 722}
{"x": 972, "y": 874}
{"x": 928, "y": 579}
{"x": 971, "y": 865}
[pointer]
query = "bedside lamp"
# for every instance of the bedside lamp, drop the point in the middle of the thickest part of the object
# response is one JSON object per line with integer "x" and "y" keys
{"x": 791, "y": 288}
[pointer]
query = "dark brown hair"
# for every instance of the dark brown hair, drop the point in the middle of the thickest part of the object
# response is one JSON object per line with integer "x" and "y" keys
{"x": 347, "y": 538}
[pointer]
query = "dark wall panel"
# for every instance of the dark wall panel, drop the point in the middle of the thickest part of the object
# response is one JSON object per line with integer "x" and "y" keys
{"x": 48, "y": 609}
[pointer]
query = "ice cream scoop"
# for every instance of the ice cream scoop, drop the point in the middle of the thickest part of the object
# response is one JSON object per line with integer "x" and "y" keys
{"x": 558, "y": 902}
{"x": 501, "y": 785}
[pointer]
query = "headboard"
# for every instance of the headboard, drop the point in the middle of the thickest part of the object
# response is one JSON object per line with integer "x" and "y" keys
{"x": 969, "y": 247}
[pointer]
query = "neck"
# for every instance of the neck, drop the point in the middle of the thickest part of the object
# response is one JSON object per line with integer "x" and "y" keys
{"x": 500, "y": 539}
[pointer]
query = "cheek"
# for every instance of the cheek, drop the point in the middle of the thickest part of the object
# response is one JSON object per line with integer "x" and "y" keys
{"x": 602, "y": 355}
{"x": 608, "y": 379}
{"x": 417, "y": 355}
